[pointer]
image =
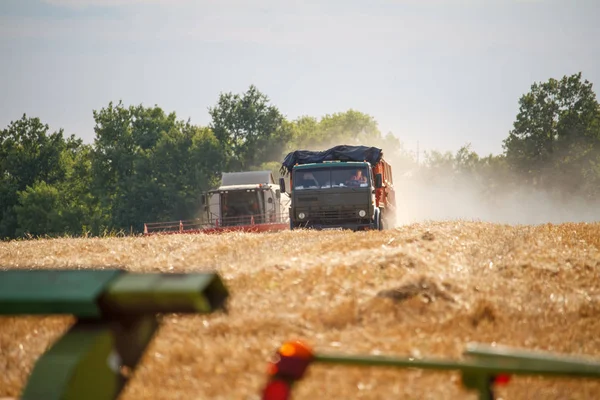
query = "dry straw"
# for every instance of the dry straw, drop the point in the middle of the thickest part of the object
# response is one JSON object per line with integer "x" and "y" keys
{"x": 423, "y": 290}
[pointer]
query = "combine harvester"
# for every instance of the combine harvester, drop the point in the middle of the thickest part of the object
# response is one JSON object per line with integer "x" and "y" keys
{"x": 248, "y": 201}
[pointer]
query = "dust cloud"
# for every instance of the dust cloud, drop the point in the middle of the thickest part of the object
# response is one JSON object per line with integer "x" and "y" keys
{"x": 421, "y": 197}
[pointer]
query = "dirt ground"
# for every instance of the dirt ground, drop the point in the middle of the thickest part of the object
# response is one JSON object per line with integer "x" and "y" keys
{"x": 423, "y": 290}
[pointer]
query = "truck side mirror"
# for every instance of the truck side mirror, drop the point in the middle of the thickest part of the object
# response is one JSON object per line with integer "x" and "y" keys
{"x": 378, "y": 181}
{"x": 282, "y": 185}
{"x": 203, "y": 199}
{"x": 278, "y": 193}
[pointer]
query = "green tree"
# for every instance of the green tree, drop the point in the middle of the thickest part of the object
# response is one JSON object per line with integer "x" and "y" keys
{"x": 29, "y": 155}
{"x": 39, "y": 210}
{"x": 150, "y": 166}
{"x": 350, "y": 127}
{"x": 83, "y": 209}
{"x": 250, "y": 129}
{"x": 120, "y": 161}
{"x": 305, "y": 134}
{"x": 185, "y": 162}
{"x": 555, "y": 137}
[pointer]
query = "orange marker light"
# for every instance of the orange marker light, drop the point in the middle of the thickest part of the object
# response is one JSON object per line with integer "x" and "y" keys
{"x": 287, "y": 350}
{"x": 295, "y": 349}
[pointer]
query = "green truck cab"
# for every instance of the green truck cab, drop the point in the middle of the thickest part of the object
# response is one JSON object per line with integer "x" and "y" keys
{"x": 346, "y": 187}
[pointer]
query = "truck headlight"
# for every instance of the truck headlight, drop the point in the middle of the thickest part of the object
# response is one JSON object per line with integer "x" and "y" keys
{"x": 301, "y": 215}
{"x": 362, "y": 213}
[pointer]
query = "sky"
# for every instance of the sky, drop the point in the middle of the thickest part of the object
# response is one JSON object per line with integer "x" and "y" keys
{"x": 438, "y": 74}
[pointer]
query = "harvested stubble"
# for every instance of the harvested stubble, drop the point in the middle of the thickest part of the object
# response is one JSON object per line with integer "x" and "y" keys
{"x": 423, "y": 290}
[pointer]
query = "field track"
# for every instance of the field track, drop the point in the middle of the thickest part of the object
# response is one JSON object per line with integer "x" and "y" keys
{"x": 423, "y": 290}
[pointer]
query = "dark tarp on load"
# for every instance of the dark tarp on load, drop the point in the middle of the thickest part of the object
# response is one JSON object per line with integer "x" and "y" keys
{"x": 338, "y": 153}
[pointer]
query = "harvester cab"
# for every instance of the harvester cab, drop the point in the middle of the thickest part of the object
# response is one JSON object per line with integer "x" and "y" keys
{"x": 246, "y": 199}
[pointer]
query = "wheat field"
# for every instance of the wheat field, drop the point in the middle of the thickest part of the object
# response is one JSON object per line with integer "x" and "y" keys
{"x": 420, "y": 290}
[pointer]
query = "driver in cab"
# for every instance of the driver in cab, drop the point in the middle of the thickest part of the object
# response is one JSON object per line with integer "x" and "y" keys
{"x": 358, "y": 177}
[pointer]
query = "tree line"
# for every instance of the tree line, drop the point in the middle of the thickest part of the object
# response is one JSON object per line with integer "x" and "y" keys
{"x": 148, "y": 165}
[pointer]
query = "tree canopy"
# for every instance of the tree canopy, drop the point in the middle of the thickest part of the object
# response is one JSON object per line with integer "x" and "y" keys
{"x": 556, "y": 135}
{"x": 148, "y": 165}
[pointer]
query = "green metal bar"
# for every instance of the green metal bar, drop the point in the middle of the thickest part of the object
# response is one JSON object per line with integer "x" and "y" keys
{"x": 54, "y": 291}
{"x": 81, "y": 365}
{"x": 471, "y": 367}
{"x": 382, "y": 361}
{"x": 481, "y": 382}
{"x": 108, "y": 293}
{"x": 503, "y": 356}
{"x": 154, "y": 293}
{"x": 478, "y": 374}
{"x": 132, "y": 336}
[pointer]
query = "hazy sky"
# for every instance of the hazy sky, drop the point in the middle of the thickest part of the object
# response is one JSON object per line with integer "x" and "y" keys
{"x": 441, "y": 72}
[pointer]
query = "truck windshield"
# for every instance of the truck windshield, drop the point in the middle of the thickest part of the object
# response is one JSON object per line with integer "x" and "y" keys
{"x": 334, "y": 177}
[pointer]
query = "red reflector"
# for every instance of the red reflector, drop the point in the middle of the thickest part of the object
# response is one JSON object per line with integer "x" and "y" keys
{"x": 272, "y": 369}
{"x": 276, "y": 390}
{"x": 502, "y": 379}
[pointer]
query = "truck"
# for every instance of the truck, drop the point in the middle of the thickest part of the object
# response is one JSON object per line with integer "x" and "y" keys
{"x": 344, "y": 187}
{"x": 249, "y": 201}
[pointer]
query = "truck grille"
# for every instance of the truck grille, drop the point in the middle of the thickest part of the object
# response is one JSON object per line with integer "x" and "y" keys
{"x": 334, "y": 216}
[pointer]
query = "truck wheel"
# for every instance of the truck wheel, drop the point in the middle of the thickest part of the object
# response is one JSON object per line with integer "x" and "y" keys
{"x": 377, "y": 220}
